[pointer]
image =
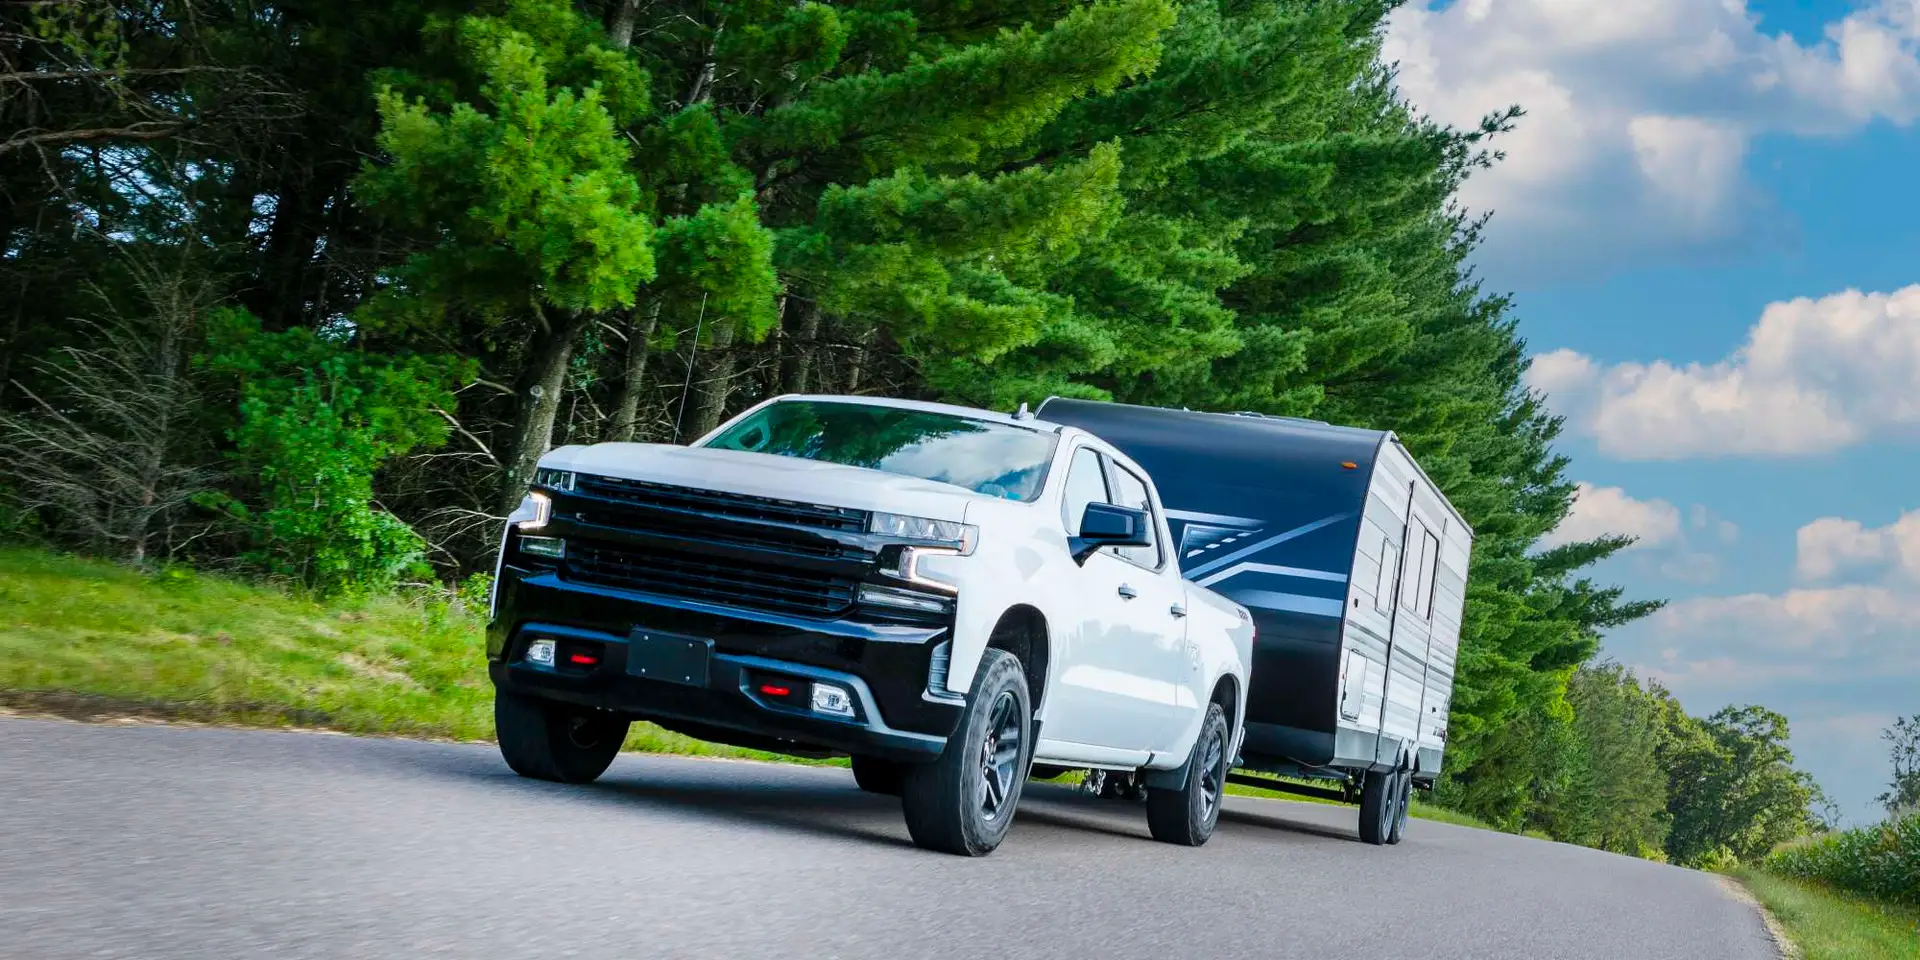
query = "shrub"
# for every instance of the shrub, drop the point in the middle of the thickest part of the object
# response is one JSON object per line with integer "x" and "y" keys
{"x": 1881, "y": 861}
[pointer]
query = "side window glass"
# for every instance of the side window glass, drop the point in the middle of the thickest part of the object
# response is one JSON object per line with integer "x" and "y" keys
{"x": 1131, "y": 491}
{"x": 1429, "y": 574}
{"x": 1389, "y": 570}
{"x": 1421, "y": 556}
{"x": 1086, "y": 483}
{"x": 1410, "y": 575}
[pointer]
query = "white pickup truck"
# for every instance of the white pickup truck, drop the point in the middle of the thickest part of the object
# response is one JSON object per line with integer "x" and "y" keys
{"x": 946, "y": 595}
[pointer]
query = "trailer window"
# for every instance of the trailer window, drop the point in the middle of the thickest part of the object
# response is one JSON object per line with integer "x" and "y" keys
{"x": 1418, "y": 597}
{"x": 1429, "y": 567}
{"x": 1389, "y": 575}
{"x": 1086, "y": 483}
{"x": 1131, "y": 491}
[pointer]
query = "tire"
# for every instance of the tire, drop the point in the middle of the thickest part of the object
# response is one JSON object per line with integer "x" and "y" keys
{"x": 1404, "y": 806}
{"x": 1188, "y": 815}
{"x": 884, "y": 777}
{"x": 545, "y": 740}
{"x": 1377, "y": 793}
{"x": 963, "y": 803}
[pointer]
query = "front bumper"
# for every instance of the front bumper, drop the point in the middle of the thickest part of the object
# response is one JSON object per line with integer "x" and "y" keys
{"x": 885, "y": 667}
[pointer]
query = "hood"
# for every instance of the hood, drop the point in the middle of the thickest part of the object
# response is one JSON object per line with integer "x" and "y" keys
{"x": 766, "y": 475}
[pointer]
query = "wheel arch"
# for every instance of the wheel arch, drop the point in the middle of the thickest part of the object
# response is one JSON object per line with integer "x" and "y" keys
{"x": 1226, "y": 693}
{"x": 1022, "y": 631}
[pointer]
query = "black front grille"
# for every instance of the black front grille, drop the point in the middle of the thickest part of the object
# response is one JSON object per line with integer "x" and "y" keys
{"x": 731, "y": 505}
{"x": 777, "y": 589}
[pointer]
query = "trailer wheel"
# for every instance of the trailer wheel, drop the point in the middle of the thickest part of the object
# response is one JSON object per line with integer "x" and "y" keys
{"x": 1188, "y": 815}
{"x": 874, "y": 775}
{"x": 1378, "y": 790}
{"x": 544, "y": 740}
{"x": 963, "y": 802}
{"x": 1405, "y": 805}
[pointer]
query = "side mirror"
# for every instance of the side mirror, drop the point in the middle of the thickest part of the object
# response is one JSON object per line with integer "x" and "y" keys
{"x": 1107, "y": 525}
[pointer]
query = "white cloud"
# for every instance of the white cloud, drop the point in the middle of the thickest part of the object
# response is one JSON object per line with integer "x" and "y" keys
{"x": 1814, "y": 376}
{"x": 1832, "y": 546}
{"x": 1640, "y": 111}
{"x": 1833, "y": 636}
{"x": 1664, "y": 541}
{"x": 1603, "y": 511}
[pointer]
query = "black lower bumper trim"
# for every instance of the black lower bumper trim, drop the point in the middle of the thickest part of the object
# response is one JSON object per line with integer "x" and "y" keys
{"x": 729, "y": 707}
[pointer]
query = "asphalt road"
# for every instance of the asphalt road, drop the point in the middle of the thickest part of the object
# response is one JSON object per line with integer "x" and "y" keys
{"x": 161, "y": 842}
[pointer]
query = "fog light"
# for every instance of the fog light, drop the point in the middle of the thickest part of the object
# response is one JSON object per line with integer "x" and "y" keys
{"x": 831, "y": 699}
{"x": 553, "y": 548}
{"x": 540, "y": 652}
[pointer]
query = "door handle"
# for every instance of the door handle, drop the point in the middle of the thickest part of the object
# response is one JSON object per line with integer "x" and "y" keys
{"x": 1127, "y": 593}
{"x": 1178, "y": 611}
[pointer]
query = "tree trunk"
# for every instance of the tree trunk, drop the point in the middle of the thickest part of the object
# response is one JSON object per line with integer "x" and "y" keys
{"x": 626, "y": 409}
{"x": 857, "y": 360}
{"x": 624, "y": 18}
{"x": 713, "y": 386}
{"x": 538, "y": 389}
{"x": 801, "y": 333}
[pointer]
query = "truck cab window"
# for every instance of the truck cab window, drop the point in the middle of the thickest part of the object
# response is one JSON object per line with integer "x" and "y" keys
{"x": 1131, "y": 491}
{"x": 1086, "y": 483}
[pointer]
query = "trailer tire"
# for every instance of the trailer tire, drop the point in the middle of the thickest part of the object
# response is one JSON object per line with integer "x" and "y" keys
{"x": 1404, "y": 804}
{"x": 874, "y": 775}
{"x": 1377, "y": 792}
{"x": 963, "y": 802}
{"x": 545, "y": 740}
{"x": 1188, "y": 815}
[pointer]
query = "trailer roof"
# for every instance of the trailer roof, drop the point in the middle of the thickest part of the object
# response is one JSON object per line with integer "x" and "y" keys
{"x": 1308, "y": 440}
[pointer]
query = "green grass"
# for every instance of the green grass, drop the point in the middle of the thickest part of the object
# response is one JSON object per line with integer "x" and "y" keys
{"x": 1825, "y": 924}
{"x": 90, "y": 638}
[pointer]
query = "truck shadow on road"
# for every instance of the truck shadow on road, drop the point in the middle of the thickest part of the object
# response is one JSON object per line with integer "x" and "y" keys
{"x": 1269, "y": 821}
{"x": 819, "y": 803}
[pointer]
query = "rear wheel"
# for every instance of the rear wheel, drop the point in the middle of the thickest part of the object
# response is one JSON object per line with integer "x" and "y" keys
{"x": 963, "y": 802}
{"x": 875, "y": 775}
{"x": 1378, "y": 789}
{"x": 1405, "y": 805}
{"x": 547, "y": 740}
{"x": 1188, "y": 815}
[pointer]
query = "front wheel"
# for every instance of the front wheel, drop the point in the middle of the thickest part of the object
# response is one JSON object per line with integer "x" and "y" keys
{"x": 1188, "y": 815}
{"x": 545, "y": 740}
{"x": 963, "y": 802}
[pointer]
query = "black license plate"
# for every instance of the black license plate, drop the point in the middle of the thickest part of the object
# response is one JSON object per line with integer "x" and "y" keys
{"x": 669, "y": 657}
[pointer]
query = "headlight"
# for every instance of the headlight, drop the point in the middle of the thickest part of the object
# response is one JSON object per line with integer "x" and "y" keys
{"x": 557, "y": 479}
{"x": 534, "y": 512}
{"x": 959, "y": 536}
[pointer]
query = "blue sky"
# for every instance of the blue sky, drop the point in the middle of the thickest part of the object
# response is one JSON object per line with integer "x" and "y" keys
{"x": 1710, "y": 222}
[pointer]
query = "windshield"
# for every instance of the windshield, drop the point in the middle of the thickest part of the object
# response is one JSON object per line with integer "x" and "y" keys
{"x": 991, "y": 458}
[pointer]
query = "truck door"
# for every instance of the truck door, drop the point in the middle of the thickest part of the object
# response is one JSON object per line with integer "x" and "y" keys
{"x": 1158, "y": 614}
{"x": 1108, "y": 695}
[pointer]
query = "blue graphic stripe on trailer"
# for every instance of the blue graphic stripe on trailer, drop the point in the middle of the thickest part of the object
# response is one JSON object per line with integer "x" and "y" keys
{"x": 1195, "y": 516}
{"x": 1290, "y": 602}
{"x": 1248, "y": 551}
{"x": 1275, "y": 569}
